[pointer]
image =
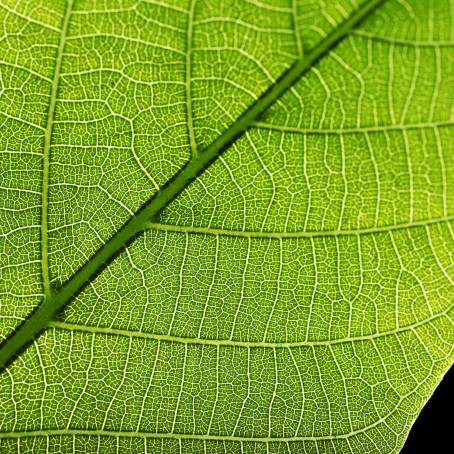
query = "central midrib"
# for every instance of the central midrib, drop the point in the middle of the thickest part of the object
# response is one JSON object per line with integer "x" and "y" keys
{"x": 39, "y": 319}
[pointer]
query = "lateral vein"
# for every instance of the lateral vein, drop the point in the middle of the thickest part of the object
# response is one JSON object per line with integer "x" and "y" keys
{"x": 46, "y": 153}
{"x": 296, "y": 234}
{"x": 245, "y": 344}
{"x": 363, "y": 130}
{"x": 189, "y": 120}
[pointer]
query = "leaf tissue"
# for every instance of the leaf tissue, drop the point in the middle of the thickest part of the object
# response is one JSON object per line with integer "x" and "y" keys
{"x": 225, "y": 226}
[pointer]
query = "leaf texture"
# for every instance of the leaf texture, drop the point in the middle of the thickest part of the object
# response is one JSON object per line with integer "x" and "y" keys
{"x": 297, "y": 296}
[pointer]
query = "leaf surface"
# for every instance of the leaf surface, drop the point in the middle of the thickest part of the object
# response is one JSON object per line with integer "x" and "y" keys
{"x": 296, "y": 296}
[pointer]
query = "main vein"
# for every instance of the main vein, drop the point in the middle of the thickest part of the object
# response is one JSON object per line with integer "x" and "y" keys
{"x": 46, "y": 153}
{"x": 40, "y": 318}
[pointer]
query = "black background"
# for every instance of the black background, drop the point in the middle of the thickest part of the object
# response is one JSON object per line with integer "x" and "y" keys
{"x": 435, "y": 424}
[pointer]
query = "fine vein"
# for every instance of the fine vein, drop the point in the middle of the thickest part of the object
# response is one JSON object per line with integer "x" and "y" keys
{"x": 39, "y": 319}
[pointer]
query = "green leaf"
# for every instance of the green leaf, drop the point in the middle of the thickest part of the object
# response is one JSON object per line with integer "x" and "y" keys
{"x": 246, "y": 211}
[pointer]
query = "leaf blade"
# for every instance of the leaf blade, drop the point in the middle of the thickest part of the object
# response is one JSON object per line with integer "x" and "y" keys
{"x": 271, "y": 321}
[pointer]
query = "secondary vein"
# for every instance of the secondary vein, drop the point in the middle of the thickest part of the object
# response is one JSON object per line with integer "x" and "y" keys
{"x": 189, "y": 120}
{"x": 46, "y": 152}
{"x": 129, "y": 333}
{"x": 40, "y": 318}
{"x": 296, "y": 234}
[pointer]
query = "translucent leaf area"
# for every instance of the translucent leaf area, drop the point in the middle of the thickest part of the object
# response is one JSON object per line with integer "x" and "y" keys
{"x": 297, "y": 296}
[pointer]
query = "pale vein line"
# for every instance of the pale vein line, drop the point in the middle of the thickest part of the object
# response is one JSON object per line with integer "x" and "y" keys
{"x": 403, "y": 42}
{"x": 444, "y": 184}
{"x": 236, "y": 343}
{"x": 296, "y": 33}
{"x": 46, "y": 153}
{"x": 366, "y": 129}
{"x": 297, "y": 234}
{"x": 411, "y": 191}
{"x": 188, "y": 79}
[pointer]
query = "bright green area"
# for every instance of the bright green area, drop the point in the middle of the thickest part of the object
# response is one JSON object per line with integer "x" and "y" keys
{"x": 298, "y": 296}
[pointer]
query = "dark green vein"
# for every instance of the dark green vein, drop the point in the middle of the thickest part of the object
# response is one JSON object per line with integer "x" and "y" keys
{"x": 39, "y": 319}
